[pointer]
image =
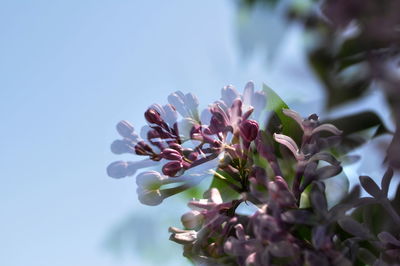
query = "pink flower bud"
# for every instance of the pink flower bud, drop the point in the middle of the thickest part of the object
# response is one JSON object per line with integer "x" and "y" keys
{"x": 193, "y": 156}
{"x": 142, "y": 148}
{"x": 150, "y": 180}
{"x": 192, "y": 219}
{"x": 153, "y": 117}
{"x": 171, "y": 154}
{"x": 150, "y": 197}
{"x": 175, "y": 146}
{"x": 249, "y": 130}
{"x": 172, "y": 168}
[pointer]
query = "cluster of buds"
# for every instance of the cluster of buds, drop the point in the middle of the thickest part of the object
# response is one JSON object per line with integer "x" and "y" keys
{"x": 184, "y": 146}
{"x": 281, "y": 176}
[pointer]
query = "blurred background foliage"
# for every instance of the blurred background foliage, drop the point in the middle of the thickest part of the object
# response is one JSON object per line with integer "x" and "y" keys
{"x": 352, "y": 47}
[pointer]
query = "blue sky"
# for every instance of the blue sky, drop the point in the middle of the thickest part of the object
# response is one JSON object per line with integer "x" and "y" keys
{"x": 69, "y": 71}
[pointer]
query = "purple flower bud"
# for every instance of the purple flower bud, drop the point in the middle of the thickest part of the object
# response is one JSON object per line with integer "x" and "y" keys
{"x": 192, "y": 219}
{"x": 122, "y": 146}
{"x": 125, "y": 129}
{"x": 153, "y": 117}
{"x": 176, "y": 147}
{"x": 280, "y": 193}
{"x": 171, "y": 154}
{"x": 183, "y": 237}
{"x": 236, "y": 109}
{"x": 249, "y": 130}
{"x": 193, "y": 156}
{"x": 118, "y": 169}
{"x": 153, "y": 134}
{"x": 150, "y": 197}
{"x": 172, "y": 168}
{"x": 151, "y": 180}
{"x": 142, "y": 148}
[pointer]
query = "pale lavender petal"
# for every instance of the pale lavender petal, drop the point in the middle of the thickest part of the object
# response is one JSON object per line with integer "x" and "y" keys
{"x": 388, "y": 238}
{"x": 288, "y": 142}
{"x": 149, "y": 197}
{"x": 182, "y": 236}
{"x": 248, "y": 94}
{"x": 327, "y": 127}
{"x": 192, "y": 219}
{"x": 229, "y": 94}
{"x": 214, "y": 195}
{"x": 295, "y": 116}
{"x": 324, "y": 156}
{"x": 125, "y": 129}
{"x": 177, "y": 100}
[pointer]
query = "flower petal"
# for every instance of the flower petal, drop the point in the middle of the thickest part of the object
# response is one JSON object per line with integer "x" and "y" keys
{"x": 295, "y": 116}
{"x": 288, "y": 142}
{"x": 327, "y": 127}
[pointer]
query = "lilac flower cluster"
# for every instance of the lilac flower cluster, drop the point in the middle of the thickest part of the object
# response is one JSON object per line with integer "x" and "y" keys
{"x": 281, "y": 176}
{"x": 180, "y": 146}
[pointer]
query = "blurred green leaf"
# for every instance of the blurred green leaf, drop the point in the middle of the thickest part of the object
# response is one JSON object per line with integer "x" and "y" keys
{"x": 276, "y": 104}
{"x": 227, "y": 193}
{"x": 194, "y": 192}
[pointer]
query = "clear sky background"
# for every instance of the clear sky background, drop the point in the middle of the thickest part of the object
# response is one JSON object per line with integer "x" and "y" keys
{"x": 69, "y": 71}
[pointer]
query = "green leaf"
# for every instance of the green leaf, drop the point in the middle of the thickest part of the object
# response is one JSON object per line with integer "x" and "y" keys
{"x": 227, "y": 193}
{"x": 194, "y": 192}
{"x": 276, "y": 104}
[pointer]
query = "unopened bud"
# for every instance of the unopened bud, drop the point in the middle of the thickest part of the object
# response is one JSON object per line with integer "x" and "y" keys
{"x": 153, "y": 117}
{"x": 171, "y": 154}
{"x": 150, "y": 180}
{"x": 249, "y": 130}
{"x": 175, "y": 146}
{"x": 142, "y": 148}
{"x": 193, "y": 156}
{"x": 172, "y": 168}
{"x": 192, "y": 219}
{"x": 150, "y": 197}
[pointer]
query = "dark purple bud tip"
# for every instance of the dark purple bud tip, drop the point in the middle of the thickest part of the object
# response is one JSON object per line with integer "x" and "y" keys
{"x": 153, "y": 134}
{"x": 249, "y": 130}
{"x": 172, "y": 168}
{"x": 175, "y": 146}
{"x": 118, "y": 169}
{"x": 171, "y": 154}
{"x": 153, "y": 117}
{"x": 142, "y": 148}
{"x": 125, "y": 129}
{"x": 193, "y": 156}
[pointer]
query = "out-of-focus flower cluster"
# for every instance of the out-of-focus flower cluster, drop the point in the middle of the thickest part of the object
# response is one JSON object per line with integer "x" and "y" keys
{"x": 247, "y": 150}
